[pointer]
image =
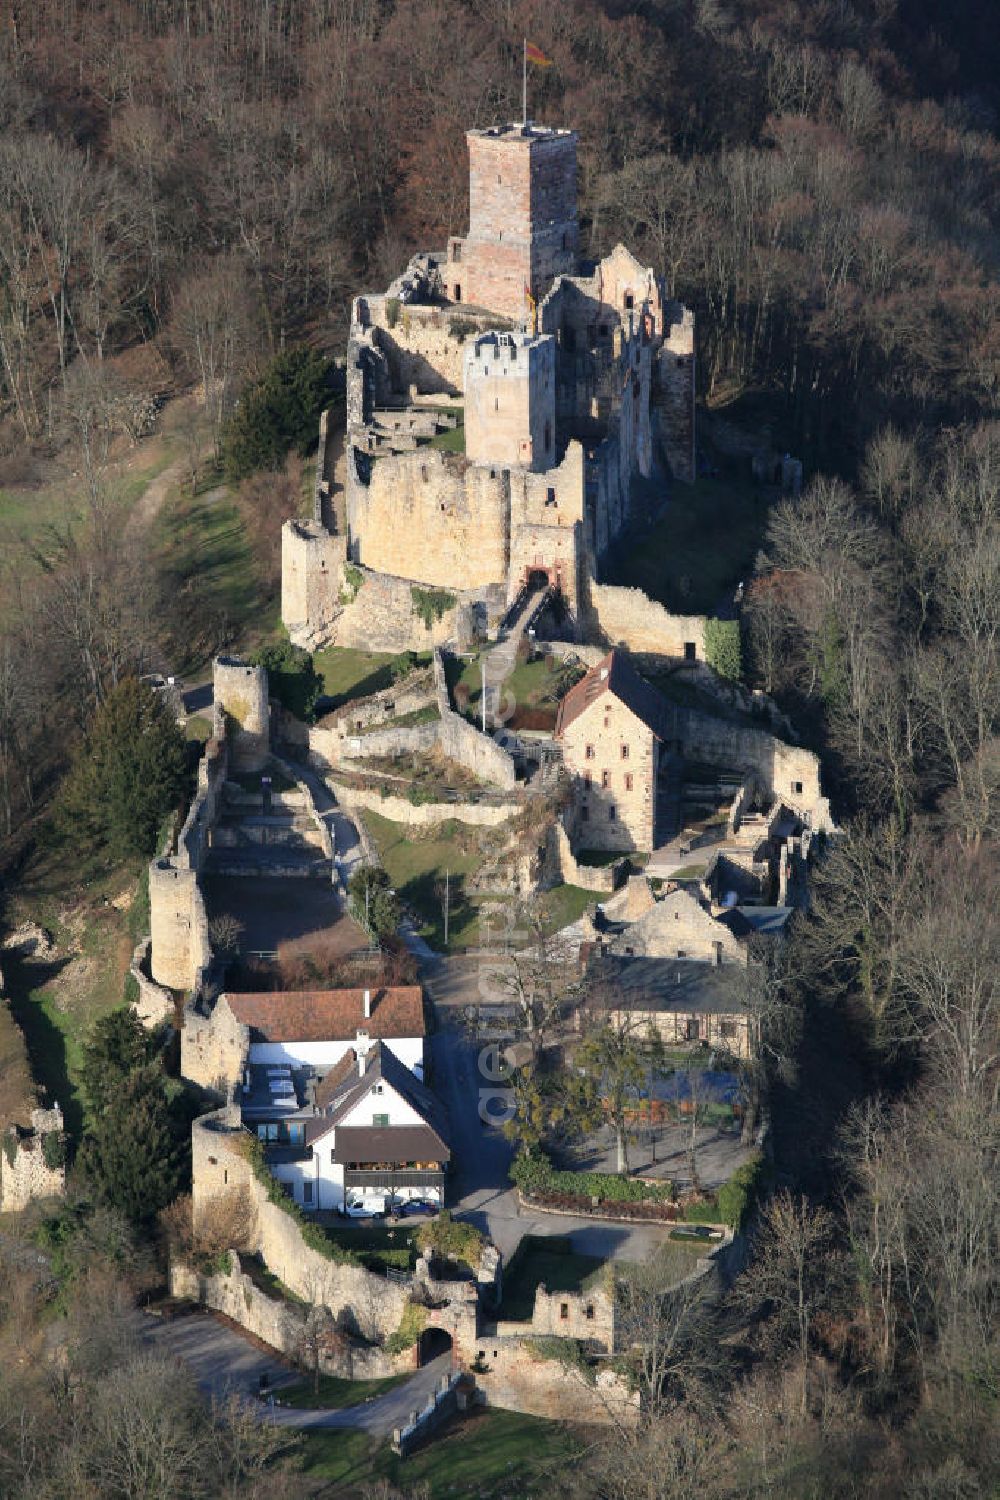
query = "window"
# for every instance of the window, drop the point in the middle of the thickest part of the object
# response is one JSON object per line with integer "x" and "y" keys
{"x": 589, "y": 752}
{"x": 692, "y": 1029}
{"x": 624, "y": 752}
{"x": 225, "y": 1176}
{"x": 380, "y": 1120}
{"x": 496, "y": 403}
{"x": 550, "y": 497}
{"x": 307, "y": 1192}
{"x": 629, "y": 301}
{"x": 564, "y": 1311}
{"x": 376, "y": 1088}
{"x": 456, "y": 252}
{"x": 584, "y": 814}
{"x": 603, "y": 330}
{"x": 590, "y": 1312}
{"x": 587, "y": 780}
{"x": 727, "y": 1029}
{"x": 612, "y": 813}
{"x": 565, "y": 240}
{"x": 498, "y": 180}
{"x": 423, "y": 472}
{"x": 628, "y": 781}
{"x": 797, "y": 788}
{"x": 682, "y": 953}
{"x": 458, "y": 297}
{"x": 690, "y": 654}
{"x": 605, "y": 779}
{"x": 288, "y": 1190}
{"x": 333, "y": 1158}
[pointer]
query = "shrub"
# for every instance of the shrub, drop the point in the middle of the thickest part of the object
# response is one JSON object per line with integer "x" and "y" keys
{"x": 291, "y": 678}
{"x": 54, "y": 1150}
{"x": 722, "y": 648}
{"x": 353, "y": 580}
{"x": 10, "y": 1146}
{"x": 411, "y": 1326}
{"x": 130, "y": 989}
{"x": 444, "y": 1236}
{"x": 431, "y": 604}
{"x": 566, "y": 1352}
{"x": 536, "y": 1176}
{"x": 739, "y": 1195}
{"x": 279, "y": 412}
{"x": 392, "y": 311}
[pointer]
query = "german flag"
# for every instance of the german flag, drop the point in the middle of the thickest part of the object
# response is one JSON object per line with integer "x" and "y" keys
{"x": 535, "y": 55}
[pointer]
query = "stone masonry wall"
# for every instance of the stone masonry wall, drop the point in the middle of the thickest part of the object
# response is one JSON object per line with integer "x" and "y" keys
{"x": 628, "y": 617}
{"x": 791, "y": 772}
{"x": 381, "y": 617}
{"x": 28, "y": 1177}
{"x": 517, "y": 1378}
{"x": 426, "y": 814}
{"x": 213, "y": 1046}
{"x": 464, "y": 743}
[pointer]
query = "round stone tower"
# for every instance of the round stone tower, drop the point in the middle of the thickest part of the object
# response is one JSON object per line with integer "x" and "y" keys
{"x": 241, "y": 693}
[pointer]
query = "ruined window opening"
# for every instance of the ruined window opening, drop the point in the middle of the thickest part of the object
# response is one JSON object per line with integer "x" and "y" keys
{"x": 457, "y": 252}
{"x": 442, "y": 505}
{"x": 550, "y": 497}
{"x": 423, "y": 472}
{"x": 590, "y": 1312}
{"x": 629, "y": 301}
{"x": 797, "y": 788}
{"x": 624, "y": 752}
{"x": 458, "y": 297}
{"x": 589, "y": 752}
{"x": 493, "y": 473}
{"x": 564, "y": 1310}
{"x": 690, "y": 654}
{"x": 628, "y": 781}
{"x": 612, "y": 813}
{"x": 605, "y": 778}
{"x": 499, "y": 184}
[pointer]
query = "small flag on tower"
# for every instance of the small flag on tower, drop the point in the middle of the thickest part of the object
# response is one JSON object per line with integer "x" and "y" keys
{"x": 535, "y": 55}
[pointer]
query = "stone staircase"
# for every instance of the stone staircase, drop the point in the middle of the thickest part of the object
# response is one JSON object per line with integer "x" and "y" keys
{"x": 280, "y": 838}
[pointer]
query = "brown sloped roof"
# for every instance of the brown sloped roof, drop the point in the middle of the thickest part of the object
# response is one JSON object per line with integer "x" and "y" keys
{"x": 381, "y": 1063}
{"x": 615, "y": 674}
{"x": 330, "y": 1015}
{"x": 329, "y": 1085}
{"x": 396, "y": 1143}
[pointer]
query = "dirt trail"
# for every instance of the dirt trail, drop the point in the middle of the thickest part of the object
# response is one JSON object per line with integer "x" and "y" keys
{"x": 150, "y": 502}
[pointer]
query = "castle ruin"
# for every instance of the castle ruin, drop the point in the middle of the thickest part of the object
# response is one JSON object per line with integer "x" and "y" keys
{"x": 502, "y": 399}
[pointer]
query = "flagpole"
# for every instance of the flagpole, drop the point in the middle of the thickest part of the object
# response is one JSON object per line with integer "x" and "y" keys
{"x": 524, "y": 81}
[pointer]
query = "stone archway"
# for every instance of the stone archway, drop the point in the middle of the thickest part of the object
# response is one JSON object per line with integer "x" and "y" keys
{"x": 431, "y": 1343}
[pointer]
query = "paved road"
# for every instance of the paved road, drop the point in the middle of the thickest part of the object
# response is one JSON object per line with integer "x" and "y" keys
{"x": 480, "y": 1190}
{"x": 225, "y": 1363}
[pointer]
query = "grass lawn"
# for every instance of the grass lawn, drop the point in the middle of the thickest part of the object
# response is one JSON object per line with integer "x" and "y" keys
{"x": 415, "y": 865}
{"x": 699, "y": 549}
{"x": 492, "y": 1455}
{"x": 216, "y": 587}
{"x": 539, "y": 1262}
{"x": 452, "y": 440}
{"x": 335, "y": 1393}
{"x": 55, "y": 1000}
{"x": 533, "y": 689}
{"x": 379, "y": 1246}
{"x": 426, "y": 715}
{"x": 564, "y": 904}
{"x": 348, "y": 674}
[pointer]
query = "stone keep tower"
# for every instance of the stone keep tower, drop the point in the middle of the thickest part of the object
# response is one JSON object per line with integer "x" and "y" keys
{"x": 241, "y": 692}
{"x": 523, "y": 229}
{"x": 510, "y": 400}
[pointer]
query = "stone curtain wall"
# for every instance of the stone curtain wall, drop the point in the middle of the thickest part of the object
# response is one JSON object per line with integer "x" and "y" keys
{"x": 463, "y": 742}
{"x": 791, "y": 772}
{"x": 674, "y": 386}
{"x": 518, "y": 1378}
{"x": 214, "y": 1046}
{"x": 155, "y": 1004}
{"x": 381, "y": 617}
{"x": 628, "y": 617}
{"x": 312, "y": 575}
{"x": 424, "y": 814}
{"x": 603, "y": 879}
{"x": 279, "y": 1322}
{"x": 28, "y": 1177}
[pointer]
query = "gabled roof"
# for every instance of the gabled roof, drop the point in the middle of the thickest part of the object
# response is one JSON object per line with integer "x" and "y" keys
{"x": 616, "y": 675}
{"x": 330, "y": 1015}
{"x": 382, "y": 1065}
{"x": 683, "y": 985}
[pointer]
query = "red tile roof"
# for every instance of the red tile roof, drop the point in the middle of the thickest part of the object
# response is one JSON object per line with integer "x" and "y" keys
{"x": 330, "y": 1015}
{"x": 615, "y": 674}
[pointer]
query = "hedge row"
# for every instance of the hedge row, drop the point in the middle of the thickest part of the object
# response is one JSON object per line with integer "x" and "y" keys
{"x": 537, "y": 1176}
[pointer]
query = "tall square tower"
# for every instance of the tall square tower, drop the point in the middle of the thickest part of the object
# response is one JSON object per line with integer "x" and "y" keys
{"x": 523, "y": 229}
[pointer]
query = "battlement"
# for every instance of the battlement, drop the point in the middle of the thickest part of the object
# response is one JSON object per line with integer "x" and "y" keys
{"x": 510, "y": 400}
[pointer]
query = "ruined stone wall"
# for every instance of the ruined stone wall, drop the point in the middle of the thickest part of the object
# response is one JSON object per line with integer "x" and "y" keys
{"x": 382, "y": 617}
{"x": 312, "y": 574}
{"x": 414, "y": 692}
{"x": 518, "y": 1378}
{"x": 27, "y": 1177}
{"x": 155, "y": 1004}
{"x": 214, "y": 1046}
{"x": 588, "y": 1316}
{"x": 431, "y": 517}
{"x": 367, "y": 1304}
{"x": 425, "y": 346}
{"x": 628, "y": 617}
{"x": 178, "y": 925}
{"x": 602, "y": 879}
{"x": 790, "y": 772}
{"x": 278, "y": 1322}
{"x": 425, "y": 814}
{"x": 463, "y": 742}
{"x": 674, "y": 392}
{"x": 510, "y": 400}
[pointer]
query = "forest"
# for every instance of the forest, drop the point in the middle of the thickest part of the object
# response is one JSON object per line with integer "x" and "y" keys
{"x": 191, "y": 190}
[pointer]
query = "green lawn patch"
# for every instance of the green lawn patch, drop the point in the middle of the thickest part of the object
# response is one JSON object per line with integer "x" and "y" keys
{"x": 415, "y": 866}
{"x": 451, "y": 440}
{"x": 698, "y": 549}
{"x": 379, "y": 1247}
{"x": 489, "y": 1454}
{"x": 349, "y": 674}
{"x": 538, "y": 1261}
{"x": 564, "y": 904}
{"x": 426, "y": 715}
{"x": 334, "y": 1393}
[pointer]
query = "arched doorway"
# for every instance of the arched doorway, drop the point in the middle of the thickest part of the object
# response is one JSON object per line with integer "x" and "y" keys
{"x": 432, "y": 1342}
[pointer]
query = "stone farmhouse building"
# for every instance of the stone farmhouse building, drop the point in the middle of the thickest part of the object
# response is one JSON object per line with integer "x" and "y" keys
{"x": 686, "y": 1000}
{"x": 568, "y": 381}
{"x": 366, "y": 1134}
{"x": 613, "y": 728}
{"x": 680, "y": 926}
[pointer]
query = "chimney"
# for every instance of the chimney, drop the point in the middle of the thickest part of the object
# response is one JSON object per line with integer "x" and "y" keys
{"x": 361, "y": 1065}
{"x": 368, "y": 1005}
